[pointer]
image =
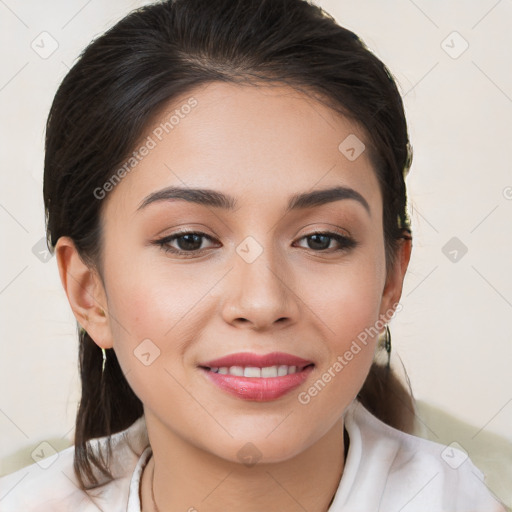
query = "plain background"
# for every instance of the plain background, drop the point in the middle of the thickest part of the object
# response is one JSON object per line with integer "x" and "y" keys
{"x": 452, "y": 61}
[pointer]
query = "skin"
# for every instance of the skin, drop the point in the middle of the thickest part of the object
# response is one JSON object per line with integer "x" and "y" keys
{"x": 259, "y": 144}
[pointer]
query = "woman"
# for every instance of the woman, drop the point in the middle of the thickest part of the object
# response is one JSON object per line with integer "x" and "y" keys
{"x": 224, "y": 189}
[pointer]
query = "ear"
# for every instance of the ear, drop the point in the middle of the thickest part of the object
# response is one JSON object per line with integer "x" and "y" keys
{"x": 85, "y": 292}
{"x": 395, "y": 278}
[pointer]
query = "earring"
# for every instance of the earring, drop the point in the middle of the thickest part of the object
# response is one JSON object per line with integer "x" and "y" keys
{"x": 104, "y": 360}
{"x": 103, "y": 351}
{"x": 387, "y": 344}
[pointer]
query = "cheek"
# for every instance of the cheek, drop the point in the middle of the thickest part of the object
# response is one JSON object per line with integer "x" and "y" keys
{"x": 351, "y": 313}
{"x": 350, "y": 340}
{"x": 149, "y": 315}
{"x": 149, "y": 300}
{"x": 346, "y": 298}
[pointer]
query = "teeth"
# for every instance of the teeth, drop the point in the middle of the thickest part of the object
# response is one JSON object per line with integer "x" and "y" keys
{"x": 282, "y": 370}
{"x": 236, "y": 370}
{"x": 253, "y": 372}
{"x": 269, "y": 371}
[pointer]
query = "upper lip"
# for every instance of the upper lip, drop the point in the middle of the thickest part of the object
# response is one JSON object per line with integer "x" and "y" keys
{"x": 257, "y": 360}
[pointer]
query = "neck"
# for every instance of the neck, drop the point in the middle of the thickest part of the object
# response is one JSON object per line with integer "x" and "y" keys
{"x": 183, "y": 477}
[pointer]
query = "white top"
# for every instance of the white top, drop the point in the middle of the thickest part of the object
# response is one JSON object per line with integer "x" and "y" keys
{"x": 386, "y": 470}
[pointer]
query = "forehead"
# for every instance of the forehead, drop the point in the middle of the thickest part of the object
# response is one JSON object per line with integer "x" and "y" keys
{"x": 260, "y": 143}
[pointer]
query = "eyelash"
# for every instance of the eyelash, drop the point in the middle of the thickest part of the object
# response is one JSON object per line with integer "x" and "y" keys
{"x": 346, "y": 243}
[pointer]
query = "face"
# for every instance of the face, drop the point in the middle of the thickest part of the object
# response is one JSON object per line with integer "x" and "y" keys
{"x": 256, "y": 277}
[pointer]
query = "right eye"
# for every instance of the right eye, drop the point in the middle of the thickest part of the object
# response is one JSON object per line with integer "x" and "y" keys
{"x": 189, "y": 243}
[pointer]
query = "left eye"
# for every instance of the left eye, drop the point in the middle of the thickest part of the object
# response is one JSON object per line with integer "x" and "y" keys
{"x": 190, "y": 242}
{"x": 320, "y": 238}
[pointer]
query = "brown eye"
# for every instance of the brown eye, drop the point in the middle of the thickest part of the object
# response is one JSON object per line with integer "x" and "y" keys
{"x": 321, "y": 241}
{"x": 188, "y": 242}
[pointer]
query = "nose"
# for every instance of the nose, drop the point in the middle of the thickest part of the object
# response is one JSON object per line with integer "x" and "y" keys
{"x": 260, "y": 294}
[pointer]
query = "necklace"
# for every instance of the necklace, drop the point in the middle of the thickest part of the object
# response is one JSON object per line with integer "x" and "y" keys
{"x": 152, "y": 491}
{"x": 347, "y": 441}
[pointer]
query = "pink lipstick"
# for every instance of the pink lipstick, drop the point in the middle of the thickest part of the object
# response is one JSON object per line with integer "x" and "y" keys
{"x": 257, "y": 377}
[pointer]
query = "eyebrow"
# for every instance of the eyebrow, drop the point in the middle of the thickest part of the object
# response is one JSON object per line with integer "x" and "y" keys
{"x": 215, "y": 199}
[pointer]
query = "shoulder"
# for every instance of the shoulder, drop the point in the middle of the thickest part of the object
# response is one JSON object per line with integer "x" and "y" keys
{"x": 46, "y": 485}
{"x": 52, "y": 485}
{"x": 416, "y": 474}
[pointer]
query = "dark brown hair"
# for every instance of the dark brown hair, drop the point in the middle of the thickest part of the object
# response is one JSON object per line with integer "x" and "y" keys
{"x": 120, "y": 83}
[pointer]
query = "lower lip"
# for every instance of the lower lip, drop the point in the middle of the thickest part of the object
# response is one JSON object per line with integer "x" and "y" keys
{"x": 259, "y": 389}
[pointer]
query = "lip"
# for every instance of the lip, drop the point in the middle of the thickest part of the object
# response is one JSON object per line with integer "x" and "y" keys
{"x": 257, "y": 360}
{"x": 258, "y": 389}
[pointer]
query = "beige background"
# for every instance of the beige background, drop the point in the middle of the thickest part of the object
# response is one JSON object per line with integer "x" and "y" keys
{"x": 453, "y": 335}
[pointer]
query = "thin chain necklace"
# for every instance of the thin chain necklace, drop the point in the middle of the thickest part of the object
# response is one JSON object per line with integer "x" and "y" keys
{"x": 152, "y": 488}
{"x": 153, "y": 476}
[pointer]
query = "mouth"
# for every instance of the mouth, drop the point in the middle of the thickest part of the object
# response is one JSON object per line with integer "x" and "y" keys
{"x": 257, "y": 377}
{"x": 268, "y": 363}
{"x": 255, "y": 372}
